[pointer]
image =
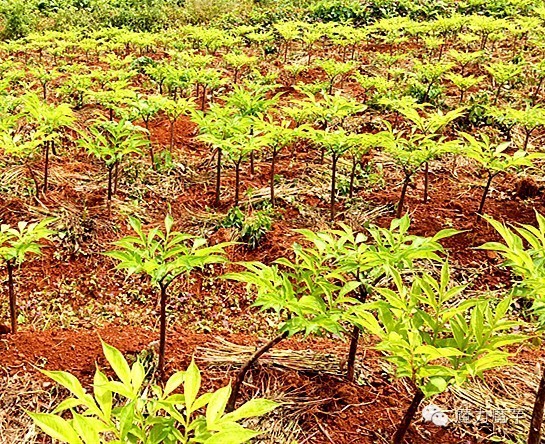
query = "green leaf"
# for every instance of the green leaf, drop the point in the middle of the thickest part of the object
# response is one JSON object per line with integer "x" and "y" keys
{"x": 118, "y": 363}
{"x": 254, "y": 407}
{"x": 216, "y": 405}
{"x": 175, "y": 381}
{"x": 56, "y": 427}
{"x": 232, "y": 437}
{"x": 192, "y": 385}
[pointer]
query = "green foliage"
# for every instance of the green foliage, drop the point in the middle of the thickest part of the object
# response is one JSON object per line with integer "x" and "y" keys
{"x": 111, "y": 141}
{"x": 436, "y": 338}
{"x": 18, "y": 18}
{"x": 17, "y": 242}
{"x": 251, "y": 227}
{"x": 164, "y": 255}
{"x": 494, "y": 157}
{"x": 523, "y": 249}
{"x": 128, "y": 409}
{"x": 309, "y": 296}
{"x": 339, "y": 11}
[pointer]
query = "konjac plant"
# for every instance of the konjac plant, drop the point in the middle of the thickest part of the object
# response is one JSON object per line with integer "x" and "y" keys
{"x": 128, "y": 408}
{"x": 164, "y": 256}
{"x": 435, "y": 338}
{"x": 16, "y": 244}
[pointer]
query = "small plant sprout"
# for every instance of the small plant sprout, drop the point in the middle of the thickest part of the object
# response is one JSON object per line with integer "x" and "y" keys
{"x": 174, "y": 109}
{"x": 435, "y": 338}
{"x": 146, "y": 109}
{"x": 129, "y": 409}
{"x": 503, "y": 75}
{"x": 239, "y": 62}
{"x": 16, "y": 243}
{"x": 430, "y": 126}
{"x": 164, "y": 256}
{"x": 216, "y": 128}
{"x": 290, "y": 32}
{"x": 494, "y": 159}
{"x": 464, "y": 83}
{"x": 411, "y": 153}
{"x": 335, "y": 70}
{"x": 279, "y": 136}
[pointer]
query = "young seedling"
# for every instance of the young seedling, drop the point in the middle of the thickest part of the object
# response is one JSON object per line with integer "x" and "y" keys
{"x": 368, "y": 257}
{"x": 503, "y": 75}
{"x": 290, "y": 32}
{"x": 335, "y": 70}
{"x": 279, "y": 136}
{"x": 174, "y": 109}
{"x": 146, "y": 109}
{"x": 251, "y": 103}
{"x": 523, "y": 249}
{"x": 164, "y": 256}
{"x": 156, "y": 414}
{"x": 435, "y": 338}
{"x": 16, "y": 243}
{"x": 239, "y": 61}
{"x": 494, "y": 159}
{"x": 464, "y": 83}
{"x": 411, "y": 153}
{"x": 335, "y": 143}
{"x": 309, "y": 297}
{"x": 110, "y": 142}
{"x": 50, "y": 121}
{"x": 430, "y": 126}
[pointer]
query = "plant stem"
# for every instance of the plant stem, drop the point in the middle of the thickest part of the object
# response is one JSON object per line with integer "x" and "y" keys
{"x": 537, "y": 90}
{"x": 534, "y": 435}
{"x": 162, "y": 330}
{"x": 498, "y": 92}
{"x": 46, "y": 167}
{"x": 402, "y": 197}
{"x": 333, "y": 180}
{"x": 218, "y": 179}
{"x": 485, "y": 192}
{"x": 528, "y": 133}
{"x": 352, "y": 177}
{"x": 237, "y": 180}
{"x": 12, "y": 297}
{"x": 35, "y": 180}
{"x": 244, "y": 369}
{"x": 109, "y": 195}
{"x": 203, "y": 98}
{"x": 351, "y": 362}
{"x": 426, "y": 180}
{"x": 172, "y": 123}
{"x": 273, "y": 166}
{"x": 116, "y": 178}
{"x": 409, "y": 415}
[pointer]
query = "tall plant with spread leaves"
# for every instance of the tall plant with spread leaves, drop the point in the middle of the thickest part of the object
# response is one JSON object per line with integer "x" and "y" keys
{"x": 111, "y": 141}
{"x": 371, "y": 256}
{"x": 523, "y": 249}
{"x": 16, "y": 244}
{"x": 495, "y": 159}
{"x": 164, "y": 256}
{"x": 306, "y": 294}
{"x": 434, "y": 337}
{"x": 51, "y": 121}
